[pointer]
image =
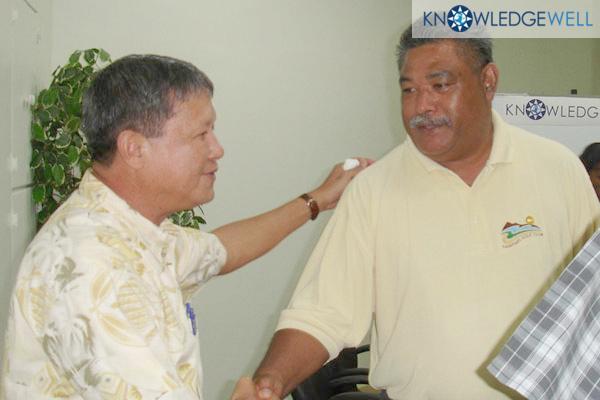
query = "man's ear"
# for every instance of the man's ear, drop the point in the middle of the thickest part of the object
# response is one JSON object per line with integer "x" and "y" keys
{"x": 131, "y": 146}
{"x": 489, "y": 78}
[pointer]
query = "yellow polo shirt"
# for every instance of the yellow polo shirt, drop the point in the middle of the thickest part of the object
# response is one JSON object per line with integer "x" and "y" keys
{"x": 442, "y": 272}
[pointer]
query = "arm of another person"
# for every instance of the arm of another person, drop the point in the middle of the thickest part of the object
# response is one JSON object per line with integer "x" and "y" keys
{"x": 250, "y": 238}
{"x": 332, "y": 305}
{"x": 293, "y": 355}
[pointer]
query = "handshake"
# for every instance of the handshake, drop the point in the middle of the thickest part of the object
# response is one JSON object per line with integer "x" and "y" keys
{"x": 246, "y": 389}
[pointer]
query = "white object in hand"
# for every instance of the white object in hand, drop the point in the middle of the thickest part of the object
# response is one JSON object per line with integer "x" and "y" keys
{"x": 350, "y": 163}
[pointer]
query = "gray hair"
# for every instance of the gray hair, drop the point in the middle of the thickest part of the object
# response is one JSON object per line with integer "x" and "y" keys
{"x": 479, "y": 49}
{"x": 136, "y": 92}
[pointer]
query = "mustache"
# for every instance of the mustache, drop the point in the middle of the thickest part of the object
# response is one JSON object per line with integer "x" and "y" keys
{"x": 424, "y": 120}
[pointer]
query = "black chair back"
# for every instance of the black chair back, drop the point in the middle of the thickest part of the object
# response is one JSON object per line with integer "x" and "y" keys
{"x": 337, "y": 379}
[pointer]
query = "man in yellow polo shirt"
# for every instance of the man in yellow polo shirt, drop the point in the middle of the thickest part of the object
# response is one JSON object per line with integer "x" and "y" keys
{"x": 440, "y": 247}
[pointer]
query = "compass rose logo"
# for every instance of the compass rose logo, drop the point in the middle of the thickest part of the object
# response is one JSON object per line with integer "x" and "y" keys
{"x": 535, "y": 109}
{"x": 460, "y": 18}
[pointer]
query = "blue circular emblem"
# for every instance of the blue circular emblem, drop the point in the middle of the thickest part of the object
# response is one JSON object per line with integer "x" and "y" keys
{"x": 460, "y": 18}
{"x": 535, "y": 109}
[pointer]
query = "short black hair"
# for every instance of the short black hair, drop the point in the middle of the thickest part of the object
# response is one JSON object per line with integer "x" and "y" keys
{"x": 136, "y": 92}
{"x": 591, "y": 156}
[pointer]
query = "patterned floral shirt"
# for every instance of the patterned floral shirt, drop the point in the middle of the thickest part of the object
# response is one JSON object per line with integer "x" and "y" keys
{"x": 99, "y": 307}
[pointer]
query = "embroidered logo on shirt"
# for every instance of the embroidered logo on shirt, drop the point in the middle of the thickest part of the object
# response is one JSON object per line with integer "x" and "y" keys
{"x": 513, "y": 233}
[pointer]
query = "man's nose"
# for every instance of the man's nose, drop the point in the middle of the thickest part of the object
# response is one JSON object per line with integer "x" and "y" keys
{"x": 426, "y": 101}
{"x": 216, "y": 150}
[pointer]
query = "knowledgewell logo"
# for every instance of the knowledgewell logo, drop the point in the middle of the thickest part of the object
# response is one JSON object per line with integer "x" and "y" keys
{"x": 575, "y": 111}
{"x": 460, "y": 18}
{"x": 535, "y": 109}
{"x": 509, "y": 18}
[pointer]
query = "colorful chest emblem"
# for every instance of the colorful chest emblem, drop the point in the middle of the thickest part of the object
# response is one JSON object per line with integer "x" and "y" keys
{"x": 513, "y": 233}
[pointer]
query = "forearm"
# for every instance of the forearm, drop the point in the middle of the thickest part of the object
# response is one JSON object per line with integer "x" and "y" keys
{"x": 292, "y": 357}
{"x": 250, "y": 238}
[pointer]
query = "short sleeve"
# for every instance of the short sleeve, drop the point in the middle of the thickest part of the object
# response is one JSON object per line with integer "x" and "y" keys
{"x": 198, "y": 257}
{"x": 333, "y": 299}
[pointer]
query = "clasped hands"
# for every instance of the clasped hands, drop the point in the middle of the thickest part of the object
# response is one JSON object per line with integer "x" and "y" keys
{"x": 247, "y": 389}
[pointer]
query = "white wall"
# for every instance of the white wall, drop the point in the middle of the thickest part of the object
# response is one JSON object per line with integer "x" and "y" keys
{"x": 550, "y": 67}
{"x": 24, "y": 70}
{"x": 5, "y": 188}
{"x": 300, "y": 85}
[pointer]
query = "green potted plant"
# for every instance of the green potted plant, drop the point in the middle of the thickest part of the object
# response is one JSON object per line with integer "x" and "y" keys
{"x": 59, "y": 152}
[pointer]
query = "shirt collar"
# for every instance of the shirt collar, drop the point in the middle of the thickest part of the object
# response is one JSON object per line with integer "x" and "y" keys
{"x": 502, "y": 149}
{"x": 95, "y": 191}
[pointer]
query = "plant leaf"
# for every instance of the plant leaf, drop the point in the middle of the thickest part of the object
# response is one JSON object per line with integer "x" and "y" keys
{"x": 73, "y": 155}
{"x": 37, "y": 132}
{"x": 175, "y": 218}
{"x": 50, "y": 97}
{"x": 74, "y": 57}
{"x": 89, "y": 56}
{"x": 40, "y": 96}
{"x": 77, "y": 141}
{"x": 38, "y": 193}
{"x": 104, "y": 57}
{"x": 68, "y": 73}
{"x": 63, "y": 140}
{"x": 84, "y": 164}
{"x": 54, "y": 112}
{"x": 44, "y": 117}
{"x": 42, "y": 216}
{"x": 72, "y": 124}
{"x": 186, "y": 218}
{"x": 58, "y": 174}
{"x": 199, "y": 220}
{"x": 47, "y": 175}
{"x": 36, "y": 159}
{"x": 63, "y": 159}
{"x": 73, "y": 105}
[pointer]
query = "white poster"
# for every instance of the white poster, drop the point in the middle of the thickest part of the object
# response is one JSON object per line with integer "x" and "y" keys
{"x": 572, "y": 121}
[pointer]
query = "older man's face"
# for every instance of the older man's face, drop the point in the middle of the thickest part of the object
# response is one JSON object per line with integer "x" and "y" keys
{"x": 184, "y": 158}
{"x": 445, "y": 103}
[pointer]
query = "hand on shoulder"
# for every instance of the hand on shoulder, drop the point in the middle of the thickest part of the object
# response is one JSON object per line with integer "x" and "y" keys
{"x": 330, "y": 191}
